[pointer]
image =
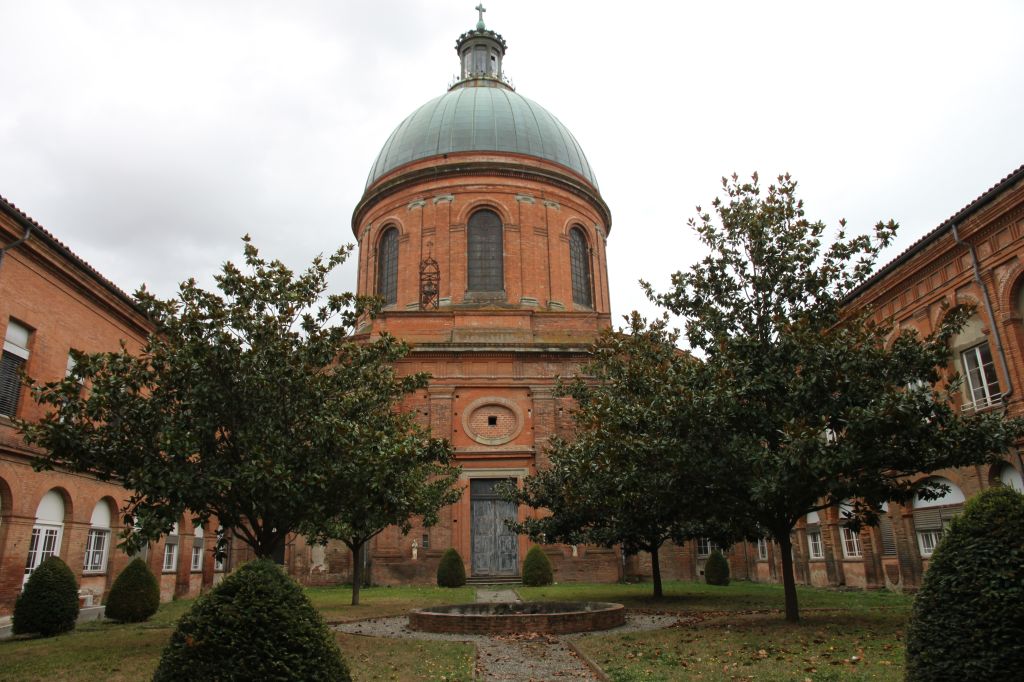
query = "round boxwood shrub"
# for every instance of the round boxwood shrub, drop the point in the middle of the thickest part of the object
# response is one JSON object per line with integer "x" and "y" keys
{"x": 135, "y": 595}
{"x": 451, "y": 572}
{"x": 537, "y": 568}
{"x": 716, "y": 569}
{"x": 968, "y": 619}
{"x": 49, "y": 603}
{"x": 255, "y": 625}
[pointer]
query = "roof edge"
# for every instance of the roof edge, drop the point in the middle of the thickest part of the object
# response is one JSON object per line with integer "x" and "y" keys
{"x": 974, "y": 206}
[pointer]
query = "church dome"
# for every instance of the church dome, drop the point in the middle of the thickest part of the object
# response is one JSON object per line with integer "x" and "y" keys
{"x": 481, "y": 118}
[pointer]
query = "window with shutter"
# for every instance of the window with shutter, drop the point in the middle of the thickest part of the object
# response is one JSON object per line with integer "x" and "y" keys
{"x": 12, "y": 364}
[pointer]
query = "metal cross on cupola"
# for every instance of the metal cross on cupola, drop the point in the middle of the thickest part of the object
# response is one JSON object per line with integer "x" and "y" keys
{"x": 480, "y": 22}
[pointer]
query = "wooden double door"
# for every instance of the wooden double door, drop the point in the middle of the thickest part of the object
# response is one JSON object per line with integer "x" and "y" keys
{"x": 495, "y": 546}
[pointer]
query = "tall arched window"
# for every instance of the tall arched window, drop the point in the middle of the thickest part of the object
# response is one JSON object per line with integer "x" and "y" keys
{"x": 46, "y": 532}
{"x": 579, "y": 262}
{"x": 387, "y": 266}
{"x": 485, "y": 253}
{"x": 931, "y": 516}
{"x": 98, "y": 540}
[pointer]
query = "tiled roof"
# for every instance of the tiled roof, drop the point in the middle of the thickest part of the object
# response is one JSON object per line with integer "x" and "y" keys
{"x": 989, "y": 194}
{"x": 38, "y": 231}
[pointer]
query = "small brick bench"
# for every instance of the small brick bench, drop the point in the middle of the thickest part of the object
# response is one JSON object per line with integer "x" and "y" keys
{"x": 508, "y": 618}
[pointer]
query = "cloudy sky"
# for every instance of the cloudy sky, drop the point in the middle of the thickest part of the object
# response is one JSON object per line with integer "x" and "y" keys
{"x": 150, "y": 135}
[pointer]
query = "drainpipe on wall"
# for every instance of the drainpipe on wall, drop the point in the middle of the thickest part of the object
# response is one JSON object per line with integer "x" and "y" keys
{"x": 17, "y": 242}
{"x": 992, "y": 322}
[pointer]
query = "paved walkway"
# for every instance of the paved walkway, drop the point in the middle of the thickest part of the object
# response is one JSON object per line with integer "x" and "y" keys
{"x": 530, "y": 657}
{"x": 85, "y": 614}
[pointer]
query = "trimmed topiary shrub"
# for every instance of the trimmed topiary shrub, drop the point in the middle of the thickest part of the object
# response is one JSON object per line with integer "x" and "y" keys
{"x": 968, "y": 616}
{"x": 537, "y": 568}
{"x": 255, "y": 625}
{"x": 49, "y": 603}
{"x": 135, "y": 595}
{"x": 451, "y": 572}
{"x": 716, "y": 569}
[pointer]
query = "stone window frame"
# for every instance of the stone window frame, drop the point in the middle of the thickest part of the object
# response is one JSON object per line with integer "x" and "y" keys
{"x": 579, "y": 268}
{"x": 388, "y": 264}
{"x": 485, "y": 275}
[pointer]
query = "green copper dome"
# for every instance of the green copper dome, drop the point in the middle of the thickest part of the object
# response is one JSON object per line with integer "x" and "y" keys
{"x": 481, "y": 118}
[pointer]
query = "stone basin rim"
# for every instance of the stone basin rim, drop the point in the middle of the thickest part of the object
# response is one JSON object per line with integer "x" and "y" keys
{"x": 518, "y": 617}
{"x": 491, "y": 609}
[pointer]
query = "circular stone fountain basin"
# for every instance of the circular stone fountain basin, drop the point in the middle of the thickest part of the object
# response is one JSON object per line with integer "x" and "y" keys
{"x": 508, "y": 618}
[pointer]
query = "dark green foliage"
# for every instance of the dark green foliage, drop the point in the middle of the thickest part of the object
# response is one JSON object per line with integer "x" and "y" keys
{"x": 638, "y": 473}
{"x": 451, "y": 572}
{"x": 49, "y": 603}
{"x": 716, "y": 569}
{"x": 135, "y": 595}
{"x": 252, "y": 403}
{"x": 537, "y": 568}
{"x": 805, "y": 392}
{"x": 968, "y": 619}
{"x": 256, "y": 625}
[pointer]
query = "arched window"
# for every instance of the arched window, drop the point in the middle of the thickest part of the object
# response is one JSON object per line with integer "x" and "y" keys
{"x": 485, "y": 253}
{"x": 98, "y": 540}
{"x": 46, "y": 532}
{"x": 579, "y": 262}
{"x": 931, "y": 516}
{"x": 387, "y": 266}
{"x": 1011, "y": 478}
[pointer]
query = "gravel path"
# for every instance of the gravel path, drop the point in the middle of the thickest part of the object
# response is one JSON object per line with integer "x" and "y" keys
{"x": 513, "y": 658}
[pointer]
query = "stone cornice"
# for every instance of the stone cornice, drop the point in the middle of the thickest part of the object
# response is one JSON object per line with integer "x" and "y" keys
{"x": 454, "y": 169}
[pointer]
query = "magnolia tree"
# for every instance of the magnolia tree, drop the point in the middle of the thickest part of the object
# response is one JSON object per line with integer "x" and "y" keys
{"x": 637, "y": 472}
{"x": 253, "y": 404}
{"x": 813, "y": 404}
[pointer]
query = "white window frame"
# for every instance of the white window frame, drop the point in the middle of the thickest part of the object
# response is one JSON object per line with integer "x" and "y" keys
{"x": 197, "y": 558}
{"x": 704, "y": 547}
{"x": 171, "y": 551}
{"x": 170, "y": 557}
{"x": 851, "y": 544}
{"x": 96, "y": 546}
{"x": 980, "y": 397}
{"x": 44, "y": 543}
{"x": 814, "y": 547}
{"x": 762, "y": 549}
{"x": 927, "y": 547}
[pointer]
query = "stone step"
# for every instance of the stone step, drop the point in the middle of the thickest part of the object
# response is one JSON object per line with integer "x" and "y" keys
{"x": 494, "y": 580}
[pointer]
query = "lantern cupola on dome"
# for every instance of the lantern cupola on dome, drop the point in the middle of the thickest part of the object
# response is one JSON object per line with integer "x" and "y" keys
{"x": 480, "y": 53}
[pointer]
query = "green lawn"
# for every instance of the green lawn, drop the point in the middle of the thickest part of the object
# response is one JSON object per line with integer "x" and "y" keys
{"x": 738, "y": 633}
{"x": 728, "y": 633}
{"x": 737, "y": 596}
{"x": 335, "y": 603}
{"x": 107, "y": 651}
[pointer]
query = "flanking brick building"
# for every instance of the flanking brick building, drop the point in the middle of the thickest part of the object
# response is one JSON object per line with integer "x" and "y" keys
{"x": 975, "y": 259}
{"x": 51, "y": 301}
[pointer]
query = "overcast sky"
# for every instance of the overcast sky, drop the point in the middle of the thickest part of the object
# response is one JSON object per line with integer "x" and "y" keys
{"x": 150, "y": 135}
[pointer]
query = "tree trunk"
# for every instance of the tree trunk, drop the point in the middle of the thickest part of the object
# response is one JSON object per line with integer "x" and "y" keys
{"x": 788, "y": 582}
{"x": 357, "y": 571}
{"x": 656, "y": 572}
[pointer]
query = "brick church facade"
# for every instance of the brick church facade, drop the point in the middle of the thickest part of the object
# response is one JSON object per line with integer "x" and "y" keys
{"x": 483, "y": 229}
